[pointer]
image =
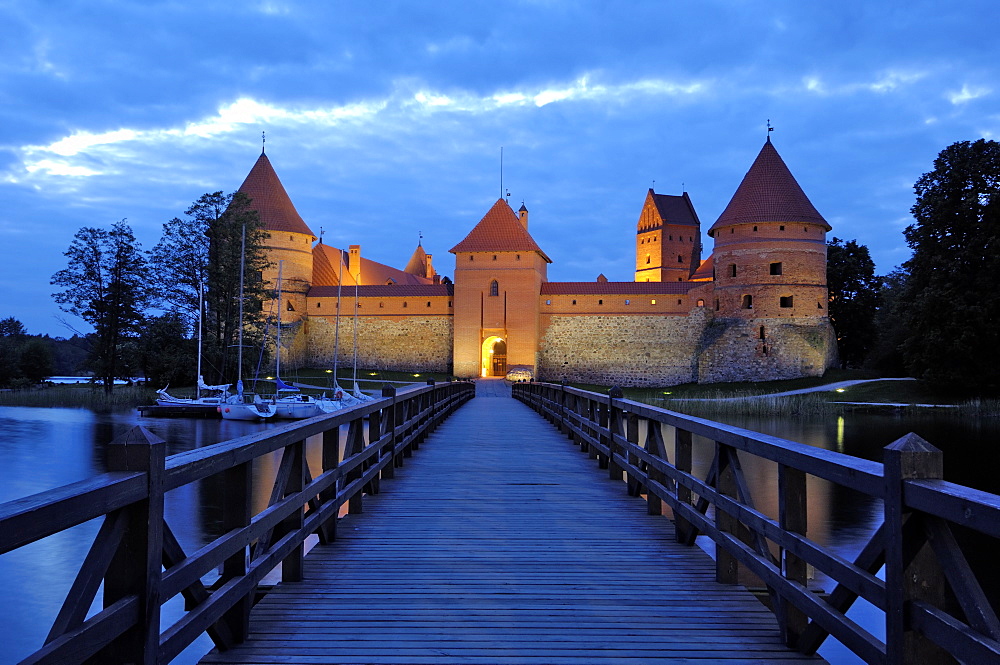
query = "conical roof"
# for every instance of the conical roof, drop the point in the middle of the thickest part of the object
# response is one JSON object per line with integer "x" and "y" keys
{"x": 499, "y": 231}
{"x": 418, "y": 262}
{"x": 769, "y": 193}
{"x": 270, "y": 199}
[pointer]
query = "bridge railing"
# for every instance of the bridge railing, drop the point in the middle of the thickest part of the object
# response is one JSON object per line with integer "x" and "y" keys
{"x": 935, "y": 608}
{"x": 140, "y": 562}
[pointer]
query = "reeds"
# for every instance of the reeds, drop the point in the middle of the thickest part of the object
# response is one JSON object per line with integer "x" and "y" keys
{"x": 88, "y": 397}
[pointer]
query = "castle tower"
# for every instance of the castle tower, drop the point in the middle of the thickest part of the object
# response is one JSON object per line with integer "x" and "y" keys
{"x": 499, "y": 270}
{"x": 770, "y": 247}
{"x": 290, "y": 240}
{"x": 668, "y": 239}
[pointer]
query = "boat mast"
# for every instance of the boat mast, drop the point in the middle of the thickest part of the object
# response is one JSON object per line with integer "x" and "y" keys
{"x": 277, "y": 349}
{"x": 239, "y": 352}
{"x": 355, "y": 335}
{"x": 336, "y": 325}
{"x": 201, "y": 313}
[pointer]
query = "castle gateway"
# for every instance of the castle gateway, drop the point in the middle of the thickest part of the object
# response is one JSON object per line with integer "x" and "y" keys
{"x": 754, "y": 310}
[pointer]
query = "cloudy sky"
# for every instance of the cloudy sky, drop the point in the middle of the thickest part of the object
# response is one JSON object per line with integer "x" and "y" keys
{"x": 385, "y": 119}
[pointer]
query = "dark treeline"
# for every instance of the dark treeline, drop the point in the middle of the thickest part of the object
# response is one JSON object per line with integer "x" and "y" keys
{"x": 27, "y": 359}
{"x": 146, "y": 307}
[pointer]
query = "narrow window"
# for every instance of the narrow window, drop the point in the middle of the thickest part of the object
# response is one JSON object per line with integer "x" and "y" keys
{"x": 747, "y": 302}
{"x": 732, "y": 230}
{"x": 449, "y": 303}
{"x": 289, "y": 306}
{"x": 819, "y": 305}
{"x": 471, "y": 257}
{"x": 781, "y": 228}
{"x": 317, "y": 305}
{"x": 381, "y": 305}
{"x": 732, "y": 270}
{"x": 628, "y": 302}
{"x": 680, "y": 259}
{"x": 671, "y": 237}
{"x": 785, "y": 301}
{"x": 701, "y": 302}
{"x": 680, "y": 279}
{"x": 428, "y": 303}
{"x": 600, "y": 302}
{"x": 404, "y": 305}
{"x": 291, "y": 238}
{"x": 716, "y": 304}
{"x": 762, "y": 332}
{"x": 574, "y": 302}
{"x": 647, "y": 259}
{"x": 776, "y": 268}
{"x": 653, "y": 301}
{"x": 548, "y": 302}
{"x": 494, "y": 288}
{"x": 755, "y": 229}
{"x": 518, "y": 257}
{"x": 494, "y": 257}
{"x": 679, "y": 301}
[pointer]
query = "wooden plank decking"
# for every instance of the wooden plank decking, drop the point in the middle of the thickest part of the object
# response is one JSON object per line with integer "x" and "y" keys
{"x": 499, "y": 542}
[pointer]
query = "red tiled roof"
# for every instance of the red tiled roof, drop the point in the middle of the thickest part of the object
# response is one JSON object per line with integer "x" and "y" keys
{"x": 768, "y": 193}
{"x": 326, "y": 270}
{"x": 614, "y": 288}
{"x": 675, "y": 209}
{"x": 270, "y": 199}
{"x": 418, "y": 263}
{"x": 704, "y": 271}
{"x": 499, "y": 231}
{"x": 381, "y": 291}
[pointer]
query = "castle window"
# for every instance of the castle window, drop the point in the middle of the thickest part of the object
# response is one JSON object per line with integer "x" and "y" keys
{"x": 653, "y": 301}
{"x": 291, "y": 238}
{"x": 755, "y": 228}
{"x": 628, "y": 302}
{"x": 449, "y": 303}
{"x": 404, "y": 305}
{"x": 317, "y": 305}
{"x": 518, "y": 257}
{"x": 574, "y": 302}
{"x": 732, "y": 270}
{"x": 776, "y": 268}
{"x": 647, "y": 259}
{"x": 762, "y": 332}
{"x": 679, "y": 301}
{"x": 494, "y": 257}
{"x": 494, "y": 288}
{"x": 805, "y": 229}
{"x": 600, "y": 302}
{"x": 680, "y": 279}
{"x": 381, "y": 305}
{"x": 701, "y": 302}
{"x": 763, "y": 349}
{"x": 819, "y": 305}
{"x": 548, "y": 302}
{"x": 785, "y": 301}
{"x": 471, "y": 258}
{"x": 390, "y": 281}
{"x": 733, "y": 230}
{"x": 781, "y": 228}
{"x": 289, "y": 307}
{"x": 671, "y": 237}
{"x": 747, "y": 302}
{"x": 428, "y": 303}
{"x": 716, "y": 304}
{"x": 680, "y": 259}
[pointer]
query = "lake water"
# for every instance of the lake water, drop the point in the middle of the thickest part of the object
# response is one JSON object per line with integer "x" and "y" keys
{"x": 45, "y": 448}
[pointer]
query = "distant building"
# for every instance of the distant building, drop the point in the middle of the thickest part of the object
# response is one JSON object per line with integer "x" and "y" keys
{"x": 754, "y": 310}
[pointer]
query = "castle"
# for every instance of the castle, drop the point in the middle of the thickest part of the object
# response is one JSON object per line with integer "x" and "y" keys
{"x": 754, "y": 310}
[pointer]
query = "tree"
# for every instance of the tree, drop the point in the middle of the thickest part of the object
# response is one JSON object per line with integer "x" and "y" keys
{"x": 885, "y": 353}
{"x": 853, "y": 286}
{"x": 105, "y": 284}
{"x": 204, "y": 248}
{"x": 11, "y": 327}
{"x": 36, "y": 360}
{"x": 951, "y": 300}
{"x": 166, "y": 355}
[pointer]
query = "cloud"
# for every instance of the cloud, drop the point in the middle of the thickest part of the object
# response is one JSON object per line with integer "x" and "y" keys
{"x": 967, "y": 94}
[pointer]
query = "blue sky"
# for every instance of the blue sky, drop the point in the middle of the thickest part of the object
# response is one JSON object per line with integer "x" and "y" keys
{"x": 385, "y": 119}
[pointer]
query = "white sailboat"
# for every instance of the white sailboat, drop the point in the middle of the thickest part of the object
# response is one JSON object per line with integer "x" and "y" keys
{"x": 216, "y": 394}
{"x": 244, "y": 406}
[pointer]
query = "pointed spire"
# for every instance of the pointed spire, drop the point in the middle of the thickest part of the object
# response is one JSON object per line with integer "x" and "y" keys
{"x": 769, "y": 193}
{"x": 418, "y": 262}
{"x": 270, "y": 200}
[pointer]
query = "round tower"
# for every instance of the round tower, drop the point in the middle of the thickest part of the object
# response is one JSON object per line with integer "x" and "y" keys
{"x": 770, "y": 247}
{"x": 290, "y": 239}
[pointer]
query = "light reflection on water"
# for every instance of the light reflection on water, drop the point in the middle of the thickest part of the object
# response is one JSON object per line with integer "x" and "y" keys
{"x": 44, "y": 448}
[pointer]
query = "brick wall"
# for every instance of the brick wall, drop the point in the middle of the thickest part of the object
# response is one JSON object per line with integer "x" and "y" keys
{"x": 419, "y": 343}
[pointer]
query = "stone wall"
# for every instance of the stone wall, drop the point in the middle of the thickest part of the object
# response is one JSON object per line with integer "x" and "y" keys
{"x": 643, "y": 350}
{"x": 401, "y": 343}
{"x": 765, "y": 349}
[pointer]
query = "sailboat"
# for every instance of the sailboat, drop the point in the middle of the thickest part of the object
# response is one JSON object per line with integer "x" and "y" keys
{"x": 356, "y": 397}
{"x": 217, "y": 394}
{"x": 289, "y": 402}
{"x": 243, "y": 406}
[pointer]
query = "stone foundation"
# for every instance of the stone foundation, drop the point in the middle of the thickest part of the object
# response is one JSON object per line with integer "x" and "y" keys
{"x": 405, "y": 343}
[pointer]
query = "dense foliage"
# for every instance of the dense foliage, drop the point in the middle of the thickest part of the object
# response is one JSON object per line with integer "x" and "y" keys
{"x": 105, "y": 284}
{"x": 853, "y": 286}
{"x": 951, "y": 298}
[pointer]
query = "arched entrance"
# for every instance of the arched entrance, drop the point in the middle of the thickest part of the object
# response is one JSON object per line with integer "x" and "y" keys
{"x": 494, "y": 357}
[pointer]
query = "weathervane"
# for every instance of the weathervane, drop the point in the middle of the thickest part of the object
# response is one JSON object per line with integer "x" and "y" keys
{"x": 263, "y": 140}
{"x": 501, "y": 171}
{"x": 769, "y": 129}
{"x": 321, "y": 234}
{"x": 420, "y": 238}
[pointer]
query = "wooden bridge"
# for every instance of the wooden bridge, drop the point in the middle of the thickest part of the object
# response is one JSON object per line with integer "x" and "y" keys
{"x": 481, "y": 534}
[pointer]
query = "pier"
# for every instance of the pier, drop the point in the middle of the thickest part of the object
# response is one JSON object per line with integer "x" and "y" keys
{"x": 469, "y": 530}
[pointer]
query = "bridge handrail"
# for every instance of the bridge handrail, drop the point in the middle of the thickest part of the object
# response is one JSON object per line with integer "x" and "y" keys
{"x": 935, "y": 608}
{"x": 139, "y": 561}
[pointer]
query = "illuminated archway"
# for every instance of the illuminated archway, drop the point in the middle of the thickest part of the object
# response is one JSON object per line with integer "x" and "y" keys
{"x": 493, "y": 357}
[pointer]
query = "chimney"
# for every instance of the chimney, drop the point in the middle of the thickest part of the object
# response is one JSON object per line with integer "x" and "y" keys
{"x": 430, "y": 268}
{"x": 354, "y": 263}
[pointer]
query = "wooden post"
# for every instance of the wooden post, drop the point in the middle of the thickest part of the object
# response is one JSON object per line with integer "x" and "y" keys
{"x": 389, "y": 427}
{"x": 562, "y": 407}
{"x": 614, "y": 425}
{"x": 682, "y": 461}
{"x": 374, "y": 428}
{"x": 136, "y": 566}
{"x": 632, "y": 434}
{"x": 792, "y": 517}
{"x": 236, "y": 513}
{"x": 911, "y": 571}
{"x": 658, "y": 449}
{"x": 291, "y": 566}
{"x": 726, "y": 565}
{"x": 331, "y": 460}
{"x": 355, "y": 444}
